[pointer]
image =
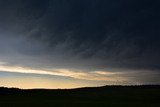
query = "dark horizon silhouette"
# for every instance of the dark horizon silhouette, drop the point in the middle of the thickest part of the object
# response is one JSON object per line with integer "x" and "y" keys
{"x": 113, "y": 96}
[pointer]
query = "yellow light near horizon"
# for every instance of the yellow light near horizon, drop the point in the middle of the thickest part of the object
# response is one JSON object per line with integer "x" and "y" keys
{"x": 29, "y": 83}
{"x": 79, "y": 78}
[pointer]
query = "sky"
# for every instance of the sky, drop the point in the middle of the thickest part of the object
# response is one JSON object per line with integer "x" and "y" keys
{"x": 79, "y": 43}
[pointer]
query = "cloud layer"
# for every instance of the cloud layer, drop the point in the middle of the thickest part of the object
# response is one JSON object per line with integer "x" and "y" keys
{"x": 86, "y": 35}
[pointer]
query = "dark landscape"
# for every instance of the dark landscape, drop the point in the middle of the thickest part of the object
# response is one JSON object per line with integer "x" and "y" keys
{"x": 106, "y": 96}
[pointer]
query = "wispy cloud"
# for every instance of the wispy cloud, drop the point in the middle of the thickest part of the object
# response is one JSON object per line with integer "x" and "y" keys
{"x": 92, "y": 75}
{"x": 110, "y": 76}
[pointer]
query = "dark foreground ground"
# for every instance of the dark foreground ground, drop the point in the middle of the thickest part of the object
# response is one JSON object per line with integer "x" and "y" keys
{"x": 108, "y": 96}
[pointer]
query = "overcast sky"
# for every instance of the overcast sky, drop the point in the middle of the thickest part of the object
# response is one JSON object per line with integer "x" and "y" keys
{"x": 79, "y": 42}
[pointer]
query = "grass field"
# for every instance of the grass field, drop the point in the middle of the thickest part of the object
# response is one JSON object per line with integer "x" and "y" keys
{"x": 107, "y": 96}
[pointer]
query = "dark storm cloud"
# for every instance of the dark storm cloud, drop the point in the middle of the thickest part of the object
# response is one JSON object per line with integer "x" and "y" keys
{"x": 96, "y": 34}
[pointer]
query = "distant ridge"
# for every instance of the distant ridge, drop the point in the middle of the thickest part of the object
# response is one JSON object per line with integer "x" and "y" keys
{"x": 105, "y": 86}
{"x": 105, "y": 96}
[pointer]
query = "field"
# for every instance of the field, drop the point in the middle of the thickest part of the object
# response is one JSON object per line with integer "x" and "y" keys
{"x": 107, "y": 96}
